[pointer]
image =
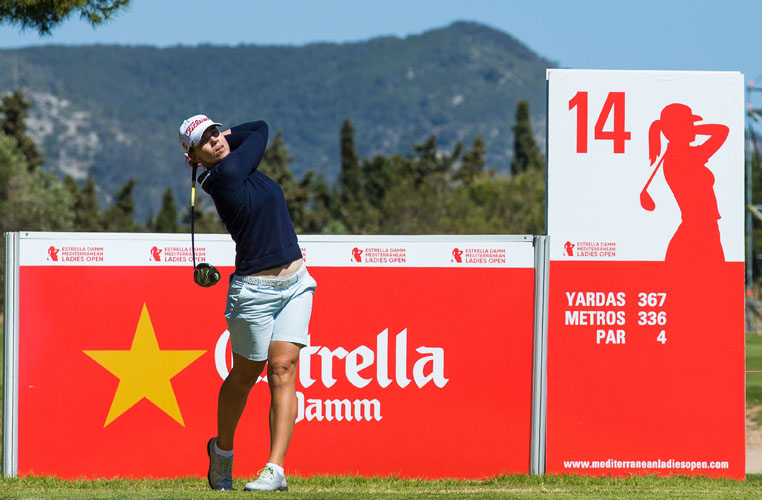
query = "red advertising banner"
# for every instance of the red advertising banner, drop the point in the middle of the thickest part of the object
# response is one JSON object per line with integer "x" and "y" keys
{"x": 645, "y": 362}
{"x": 411, "y": 371}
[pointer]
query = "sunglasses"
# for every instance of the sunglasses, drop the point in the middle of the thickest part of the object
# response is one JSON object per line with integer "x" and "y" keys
{"x": 208, "y": 134}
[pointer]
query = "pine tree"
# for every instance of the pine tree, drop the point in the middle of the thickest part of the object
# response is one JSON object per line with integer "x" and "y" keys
{"x": 205, "y": 221}
{"x": 472, "y": 165}
{"x": 87, "y": 214}
{"x": 275, "y": 162}
{"x": 71, "y": 186}
{"x": 120, "y": 217}
{"x": 166, "y": 220}
{"x": 15, "y": 109}
{"x": 526, "y": 154}
{"x": 425, "y": 161}
{"x": 380, "y": 175}
{"x": 43, "y": 15}
{"x": 275, "y": 165}
{"x": 350, "y": 180}
{"x": 353, "y": 203}
{"x": 324, "y": 212}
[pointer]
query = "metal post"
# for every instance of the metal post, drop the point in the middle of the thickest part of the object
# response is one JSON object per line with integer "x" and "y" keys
{"x": 11, "y": 372}
{"x": 749, "y": 232}
{"x": 752, "y": 116}
{"x": 540, "y": 355}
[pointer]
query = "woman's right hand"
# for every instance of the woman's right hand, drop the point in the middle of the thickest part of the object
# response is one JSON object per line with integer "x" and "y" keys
{"x": 190, "y": 162}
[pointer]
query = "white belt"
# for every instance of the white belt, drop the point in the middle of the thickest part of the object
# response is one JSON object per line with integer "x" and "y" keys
{"x": 283, "y": 282}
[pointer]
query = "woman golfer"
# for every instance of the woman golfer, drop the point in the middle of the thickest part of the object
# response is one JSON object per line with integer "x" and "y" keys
{"x": 692, "y": 183}
{"x": 269, "y": 299}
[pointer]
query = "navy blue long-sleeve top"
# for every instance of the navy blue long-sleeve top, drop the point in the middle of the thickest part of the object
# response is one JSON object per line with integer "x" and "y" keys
{"x": 250, "y": 204}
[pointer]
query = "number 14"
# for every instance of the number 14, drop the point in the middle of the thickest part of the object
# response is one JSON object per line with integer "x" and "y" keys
{"x": 614, "y": 102}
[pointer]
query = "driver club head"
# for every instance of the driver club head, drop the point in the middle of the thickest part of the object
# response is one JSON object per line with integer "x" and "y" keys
{"x": 646, "y": 201}
{"x": 206, "y": 275}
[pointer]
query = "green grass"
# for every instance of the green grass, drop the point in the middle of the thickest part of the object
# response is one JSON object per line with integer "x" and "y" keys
{"x": 753, "y": 362}
{"x": 754, "y": 380}
{"x": 518, "y": 487}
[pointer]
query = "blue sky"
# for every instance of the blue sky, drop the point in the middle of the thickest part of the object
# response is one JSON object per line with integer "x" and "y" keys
{"x": 604, "y": 34}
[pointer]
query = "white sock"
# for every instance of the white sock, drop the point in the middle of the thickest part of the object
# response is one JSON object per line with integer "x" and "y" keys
{"x": 223, "y": 453}
{"x": 276, "y": 467}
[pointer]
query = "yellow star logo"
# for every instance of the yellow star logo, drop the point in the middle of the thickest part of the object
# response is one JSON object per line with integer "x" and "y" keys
{"x": 144, "y": 372}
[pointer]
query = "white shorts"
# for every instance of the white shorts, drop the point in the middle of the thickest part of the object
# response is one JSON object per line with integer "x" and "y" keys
{"x": 261, "y": 310}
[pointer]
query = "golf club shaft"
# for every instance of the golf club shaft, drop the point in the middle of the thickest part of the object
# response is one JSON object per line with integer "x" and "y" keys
{"x": 645, "y": 188}
{"x": 192, "y": 210}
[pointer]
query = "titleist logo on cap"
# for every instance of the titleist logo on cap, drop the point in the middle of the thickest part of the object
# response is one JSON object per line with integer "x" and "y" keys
{"x": 189, "y": 130}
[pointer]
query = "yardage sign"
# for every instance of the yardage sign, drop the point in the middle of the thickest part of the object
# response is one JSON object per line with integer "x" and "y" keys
{"x": 645, "y": 327}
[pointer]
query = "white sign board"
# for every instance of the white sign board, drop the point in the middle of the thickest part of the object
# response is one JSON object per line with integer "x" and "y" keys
{"x": 606, "y": 124}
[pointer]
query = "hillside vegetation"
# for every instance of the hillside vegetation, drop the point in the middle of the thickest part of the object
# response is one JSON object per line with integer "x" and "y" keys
{"x": 112, "y": 112}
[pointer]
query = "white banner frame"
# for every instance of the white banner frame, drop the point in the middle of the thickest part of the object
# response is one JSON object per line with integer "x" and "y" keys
{"x": 534, "y": 255}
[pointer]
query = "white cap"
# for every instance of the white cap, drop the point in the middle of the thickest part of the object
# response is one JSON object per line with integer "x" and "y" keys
{"x": 193, "y": 128}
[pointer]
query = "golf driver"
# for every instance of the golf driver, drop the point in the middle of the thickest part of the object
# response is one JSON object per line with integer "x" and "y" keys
{"x": 645, "y": 199}
{"x": 204, "y": 274}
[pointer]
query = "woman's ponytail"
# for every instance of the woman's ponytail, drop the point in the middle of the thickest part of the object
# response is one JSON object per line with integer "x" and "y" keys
{"x": 654, "y": 141}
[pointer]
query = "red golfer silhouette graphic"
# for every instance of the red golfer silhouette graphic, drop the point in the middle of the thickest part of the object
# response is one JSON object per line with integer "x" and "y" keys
{"x": 569, "y": 248}
{"x": 457, "y": 255}
{"x": 53, "y": 253}
{"x": 689, "y": 179}
{"x": 357, "y": 254}
{"x": 156, "y": 254}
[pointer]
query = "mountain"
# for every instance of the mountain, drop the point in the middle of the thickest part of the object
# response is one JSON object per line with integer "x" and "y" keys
{"x": 114, "y": 111}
